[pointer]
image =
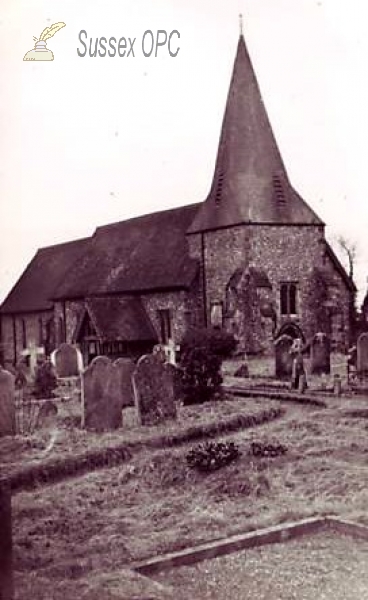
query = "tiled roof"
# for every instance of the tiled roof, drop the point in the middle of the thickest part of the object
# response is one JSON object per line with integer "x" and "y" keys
{"x": 34, "y": 289}
{"x": 138, "y": 255}
{"x": 120, "y": 319}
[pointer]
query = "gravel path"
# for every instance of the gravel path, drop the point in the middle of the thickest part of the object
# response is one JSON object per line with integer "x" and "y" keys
{"x": 325, "y": 566}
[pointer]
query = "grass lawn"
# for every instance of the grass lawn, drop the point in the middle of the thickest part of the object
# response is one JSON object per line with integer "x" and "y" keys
{"x": 324, "y": 565}
{"x": 76, "y": 538}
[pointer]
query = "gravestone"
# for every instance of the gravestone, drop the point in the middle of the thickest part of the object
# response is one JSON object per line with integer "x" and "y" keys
{"x": 102, "y": 400}
{"x": 302, "y": 383}
{"x": 320, "y": 355}
{"x": 362, "y": 355}
{"x": 154, "y": 390}
{"x": 159, "y": 351}
{"x": 47, "y": 415}
{"x": 337, "y": 386}
{"x": 7, "y": 403}
{"x": 283, "y": 357}
{"x": 242, "y": 371}
{"x": 124, "y": 368}
{"x": 6, "y": 545}
{"x": 130, "y": 417}
{"x": 67, "y": 361}
{"x": 177, "y": 380}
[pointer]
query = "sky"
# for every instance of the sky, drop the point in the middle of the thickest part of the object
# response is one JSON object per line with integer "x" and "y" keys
{"x": 89, "y": 141}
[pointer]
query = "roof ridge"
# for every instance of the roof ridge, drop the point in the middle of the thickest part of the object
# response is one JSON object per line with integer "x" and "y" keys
{"x": 150, "y": 214}
{"x": 59, "y": 245}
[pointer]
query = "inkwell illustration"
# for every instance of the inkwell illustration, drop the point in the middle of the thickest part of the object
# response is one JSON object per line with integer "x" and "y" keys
{"x": 40, "y": 52}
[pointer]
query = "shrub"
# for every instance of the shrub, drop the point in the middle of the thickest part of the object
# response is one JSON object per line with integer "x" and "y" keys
{"x": 45, "y": 380}
{"x": 202, "y": 351}
{"x": 262, "y": 449}
{"x": 200, "y": 375}
{"x": 317, "y": 295}
{"x": 212, "y": 455}
{"x": 217, "y": 341}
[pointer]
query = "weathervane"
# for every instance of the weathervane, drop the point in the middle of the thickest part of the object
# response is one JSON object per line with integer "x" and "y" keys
{"x": 241, "y": 23}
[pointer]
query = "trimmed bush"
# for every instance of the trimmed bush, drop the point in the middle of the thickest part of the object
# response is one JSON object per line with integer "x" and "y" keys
{"x": 202, "y": 351}
{"x": 58, "y": 469}
{"x": 200, "y": 375}
{"x": 212, "y": 456}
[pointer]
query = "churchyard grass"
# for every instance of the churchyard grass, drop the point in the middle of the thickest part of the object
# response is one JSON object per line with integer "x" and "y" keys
{"x": 105, "y": 520}
{"x": 67, "y": 440}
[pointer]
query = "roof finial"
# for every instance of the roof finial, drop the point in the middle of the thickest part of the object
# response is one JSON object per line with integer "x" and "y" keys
{"x": 241, "y": 23}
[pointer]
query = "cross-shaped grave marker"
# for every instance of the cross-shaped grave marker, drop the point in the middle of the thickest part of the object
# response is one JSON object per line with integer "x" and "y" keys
{"x": 170, "y": 350}
{"x": 33, "y": 353}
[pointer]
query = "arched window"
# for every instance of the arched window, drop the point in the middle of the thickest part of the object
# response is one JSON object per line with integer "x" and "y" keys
{"x": 164, "y": 318}
{"x": 61, "y": 330}
{"x": 216, "y": 315}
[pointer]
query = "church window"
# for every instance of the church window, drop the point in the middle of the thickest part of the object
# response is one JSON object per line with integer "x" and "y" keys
{"x": 164, "y": 318}
{"x": 24, "y": 334}
{"x": 216, "y": 314}
{"x": 61, "y": 332}
{"x": 189, "y": 318}
{"x": 40, "y": 332}
{"x": 288, "y": 299}
{"x": 231, "y": 301}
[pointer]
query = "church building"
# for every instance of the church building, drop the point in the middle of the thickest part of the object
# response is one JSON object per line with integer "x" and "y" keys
{"x": 252, "y": 259}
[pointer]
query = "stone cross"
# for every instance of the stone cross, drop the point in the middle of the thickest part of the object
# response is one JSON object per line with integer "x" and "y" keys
{"x": 33, "y": 352}
{"x": 170, "y": 350}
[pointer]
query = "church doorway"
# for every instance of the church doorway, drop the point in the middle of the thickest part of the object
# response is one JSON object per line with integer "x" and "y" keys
{"x": 292, "y": 330}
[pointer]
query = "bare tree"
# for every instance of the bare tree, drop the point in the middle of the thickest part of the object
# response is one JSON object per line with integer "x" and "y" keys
{"x": 349, "y": 248}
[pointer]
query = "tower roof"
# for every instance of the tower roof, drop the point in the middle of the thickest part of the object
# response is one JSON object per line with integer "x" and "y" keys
{"x": 250, "y": 183}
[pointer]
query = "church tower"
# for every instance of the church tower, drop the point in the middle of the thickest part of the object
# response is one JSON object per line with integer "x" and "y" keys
{"x": 257, "y": 240}
{"x": 250, "y": 183}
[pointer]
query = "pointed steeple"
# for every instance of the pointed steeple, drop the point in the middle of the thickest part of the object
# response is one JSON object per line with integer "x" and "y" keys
{"x": 250, "y": 183}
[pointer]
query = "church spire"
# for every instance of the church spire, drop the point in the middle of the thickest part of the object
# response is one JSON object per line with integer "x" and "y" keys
{"x": 250, "y": 183}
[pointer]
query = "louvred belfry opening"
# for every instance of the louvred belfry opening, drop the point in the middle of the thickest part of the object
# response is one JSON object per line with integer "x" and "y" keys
{"x": 279, "y": 191}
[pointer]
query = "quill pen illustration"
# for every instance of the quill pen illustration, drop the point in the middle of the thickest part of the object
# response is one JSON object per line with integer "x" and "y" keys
{"x": 40, "y": 52}
{"x": 49, "y": 32}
